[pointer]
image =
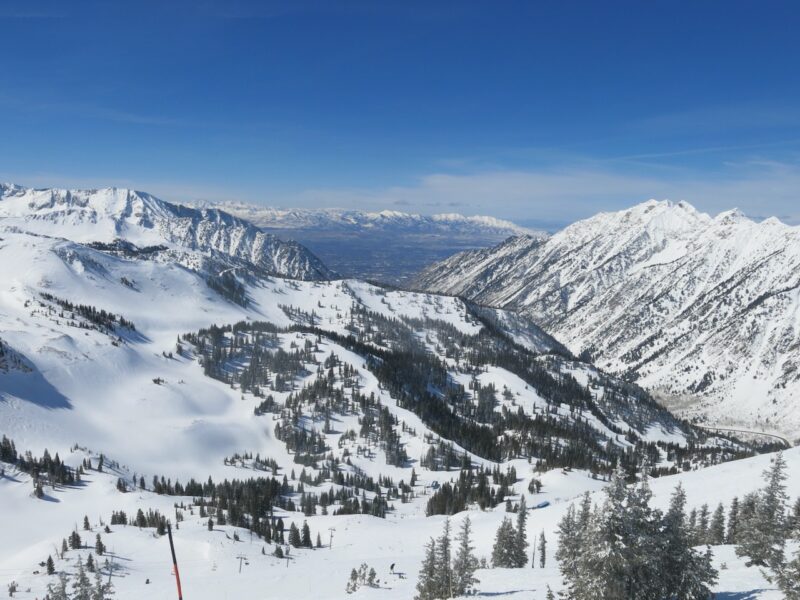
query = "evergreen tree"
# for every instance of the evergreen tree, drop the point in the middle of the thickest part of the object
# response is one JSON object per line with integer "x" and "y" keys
{"x": 426, "y": 586}
{"x": 82, "y": 586}
{"x": 306, "y": 537}
{"x": 702, "y": 525}
{"x": 465, "y": 563}
{"x": 503, "y": 553}
{"x": 294, "y": 536}
{"x": 51, "y": 567}
{"x": 716, "y": 529}
{"x": 733, "y": 521}
{"x": 685, "y": 573}
{"x": 86, "y": 526}
{"x": 99, "y": 546}
{"x": 788, "y": 578}
{"x": 795, "y": 519}
{"x": 521, "y": 538}
{"x": 58, "y": 591}
{"x": 352, "y": 583}
{"x": 542, "y": 550}
{"x": 444, "y": 571}
{"x": 90, "y": 564}
{"x": 624, "y": 550}
{"x": 74, "y": 540}
{"x": 763, "y": 535}
{"x": 101, "y": 591}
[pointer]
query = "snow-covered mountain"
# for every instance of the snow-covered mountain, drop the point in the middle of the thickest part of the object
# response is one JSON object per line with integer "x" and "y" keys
{"x": 387, "y": 246}
{"x": 357, "y": 220}
{"x": 186, "y": 234}
{"x": 703, "y": 310}
{"x": 347, "y": 406}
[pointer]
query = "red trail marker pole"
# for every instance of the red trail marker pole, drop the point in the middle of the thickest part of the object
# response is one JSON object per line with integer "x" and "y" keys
{"x": 174, "y": 561}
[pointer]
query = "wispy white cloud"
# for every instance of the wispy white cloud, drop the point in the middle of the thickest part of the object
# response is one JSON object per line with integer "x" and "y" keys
{"x": 85, "y": 110}
{"x": 723, "y": 118}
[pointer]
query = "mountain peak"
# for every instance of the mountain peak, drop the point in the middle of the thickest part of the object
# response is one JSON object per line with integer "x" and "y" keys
{"x": 110, "y": 214}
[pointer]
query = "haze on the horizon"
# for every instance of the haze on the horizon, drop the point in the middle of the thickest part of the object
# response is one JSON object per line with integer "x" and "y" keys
{"x": 541, "y": 113}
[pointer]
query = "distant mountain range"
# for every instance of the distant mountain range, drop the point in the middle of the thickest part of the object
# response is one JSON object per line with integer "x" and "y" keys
{"x": 703, "y": 310}
{"x": 387, "y": 246}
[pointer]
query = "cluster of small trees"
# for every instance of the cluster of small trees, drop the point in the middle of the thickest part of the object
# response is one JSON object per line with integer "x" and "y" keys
{"x": 364, "y": 576}
{"x": 82, "y": 586}
{"x": 301, "y": 537}
{"x": 764, "y": 530}
{"x": 100, "y": 318}
{"x": 472, "y": 486}
{"x": 511, "y": 544}
{"x": 625, "y": 549}
{"x": 444, "y": 575}
{"x": 47, "y": 469}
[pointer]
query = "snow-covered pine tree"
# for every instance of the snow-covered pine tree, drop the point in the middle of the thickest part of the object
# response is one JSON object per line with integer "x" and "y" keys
{"x": 59, "y": 590}
{"x": 620, "y": 555}
{"x": 444, "y": 572}
{"x": 82, "y": 586}
{"x": 789, "y": 578}
{"x": 426, "y": 586}
{"x": 101, "y": 590}
{"x": 702, "y": 525}
{"x": 503, "y": 552}
{"x": 685, "y": 573}
{"x": 733, "y": 521}
{"x": 716, "y": 529}
{"x": 569, "y": 536}
{"x": 795, "y": 519}
{"x": 521, "y": 537}
{"x": 763, "y": 533}
{"x": 542, "y": 548}
{"x": 294, "y": 536}
{"x": 305, "y": 540}
{"x": 465, "y": 563}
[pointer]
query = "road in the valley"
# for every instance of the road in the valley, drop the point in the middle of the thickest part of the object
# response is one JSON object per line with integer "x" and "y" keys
{"x": 734, "y": 430}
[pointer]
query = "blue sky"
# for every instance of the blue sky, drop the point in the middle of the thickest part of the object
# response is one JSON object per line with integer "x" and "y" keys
{"x": 542, "y": 112}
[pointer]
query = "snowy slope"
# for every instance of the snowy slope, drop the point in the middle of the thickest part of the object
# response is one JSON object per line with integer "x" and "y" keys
{"x": 703, "y": 310}
{"x": 209, "y": 560}
{"x": 110, "y": 214}
{"x": 75, "y": 384}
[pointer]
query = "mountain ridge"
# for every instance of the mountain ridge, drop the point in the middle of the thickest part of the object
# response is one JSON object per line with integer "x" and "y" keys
{"x": 107, "y": 214}
{"x": 686, "y": 304}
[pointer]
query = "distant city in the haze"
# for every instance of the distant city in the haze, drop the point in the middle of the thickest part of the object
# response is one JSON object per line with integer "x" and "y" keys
{"x": 433, "y": 300}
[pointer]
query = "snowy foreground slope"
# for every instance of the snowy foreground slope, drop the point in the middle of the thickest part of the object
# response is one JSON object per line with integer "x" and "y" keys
{"x": 330, "y": 396}
{"x": 209, "y": 560}
{"x": 703, "y": 310}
